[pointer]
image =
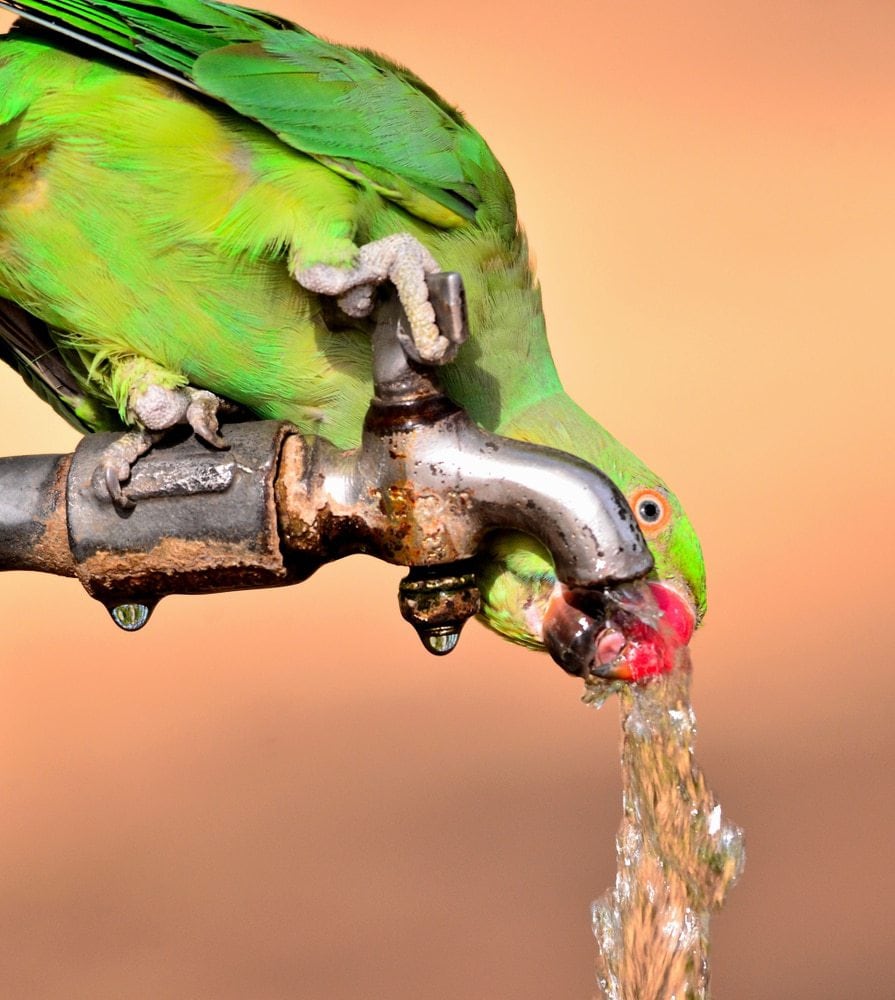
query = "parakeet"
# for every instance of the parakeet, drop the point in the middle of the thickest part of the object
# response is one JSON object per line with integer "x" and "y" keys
{"x": 197, "y": 201}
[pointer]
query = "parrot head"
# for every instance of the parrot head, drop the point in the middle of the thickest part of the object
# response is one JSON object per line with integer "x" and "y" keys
{"x": 629, "y": 632}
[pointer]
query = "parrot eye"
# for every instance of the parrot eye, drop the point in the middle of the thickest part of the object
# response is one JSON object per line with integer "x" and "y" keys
{"x": 652, "y": 510}
{"x": 649, "y": 511}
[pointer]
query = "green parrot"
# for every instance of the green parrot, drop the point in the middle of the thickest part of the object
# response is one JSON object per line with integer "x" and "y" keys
{"x": 197, "y": 202}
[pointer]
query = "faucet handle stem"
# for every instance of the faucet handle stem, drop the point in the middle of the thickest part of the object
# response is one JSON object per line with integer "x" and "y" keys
{"x": 398, "y": 368}
{"x": 448, "y": 298}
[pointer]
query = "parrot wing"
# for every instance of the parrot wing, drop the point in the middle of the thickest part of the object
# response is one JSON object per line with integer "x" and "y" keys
{"x": 362, "y": 116}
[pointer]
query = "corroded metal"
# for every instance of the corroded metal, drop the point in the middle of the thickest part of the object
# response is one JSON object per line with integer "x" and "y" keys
{"x": 429, "y": 495}
{"x": 205, "y": 520}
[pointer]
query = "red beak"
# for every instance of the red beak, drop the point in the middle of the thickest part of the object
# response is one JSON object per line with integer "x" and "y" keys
{"x": 631, "y": 633}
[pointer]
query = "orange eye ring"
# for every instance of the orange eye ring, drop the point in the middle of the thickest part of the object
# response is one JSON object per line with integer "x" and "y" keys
{"x": 652, "y": 510}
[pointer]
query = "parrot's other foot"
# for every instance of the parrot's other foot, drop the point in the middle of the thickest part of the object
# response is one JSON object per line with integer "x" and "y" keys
{"x": 404, "y": 261}
{"x": 155, "y": 409}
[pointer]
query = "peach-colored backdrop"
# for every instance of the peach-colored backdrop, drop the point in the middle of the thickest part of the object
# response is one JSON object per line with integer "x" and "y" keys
{"x": 279, "y": 795}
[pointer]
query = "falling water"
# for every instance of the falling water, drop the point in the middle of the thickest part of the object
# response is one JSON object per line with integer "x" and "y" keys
{"x": 677, "y": 854}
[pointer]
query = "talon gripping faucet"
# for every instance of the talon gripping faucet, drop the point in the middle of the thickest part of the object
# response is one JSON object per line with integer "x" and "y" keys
{"x": 424, "y": 490}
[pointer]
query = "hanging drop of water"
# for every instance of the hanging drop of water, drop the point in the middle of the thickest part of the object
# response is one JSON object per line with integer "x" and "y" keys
{"x": 440, "y": 643}
{"x": 130, "y": 617}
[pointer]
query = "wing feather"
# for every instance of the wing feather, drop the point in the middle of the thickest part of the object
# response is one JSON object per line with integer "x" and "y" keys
{"x": 350, "y": 109}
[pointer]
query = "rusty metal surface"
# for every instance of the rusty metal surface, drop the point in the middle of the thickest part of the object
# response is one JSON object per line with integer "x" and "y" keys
{"x": 204, "y": 521}
{"x": 182, "y": 476}
{"x": 431, "y": 494}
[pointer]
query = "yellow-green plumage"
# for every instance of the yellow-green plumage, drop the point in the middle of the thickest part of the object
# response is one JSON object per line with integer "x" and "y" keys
{"x": 146, "y": 224}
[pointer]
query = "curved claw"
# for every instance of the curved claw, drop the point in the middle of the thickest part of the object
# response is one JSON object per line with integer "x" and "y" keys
{"x": 115, "y": 465}
{"x": 202, "y": 416}
{"x": 358, "y": 302}
{"x": 113, "y": 485}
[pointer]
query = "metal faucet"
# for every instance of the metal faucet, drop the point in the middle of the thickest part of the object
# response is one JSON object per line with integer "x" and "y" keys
{"x": 423, "y": 490}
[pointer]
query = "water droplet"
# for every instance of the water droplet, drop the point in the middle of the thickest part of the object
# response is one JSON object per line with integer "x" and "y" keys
{"x": 597, "y": 691}
{"x": 442, "y": 642}
{"x": 130, "y": 617}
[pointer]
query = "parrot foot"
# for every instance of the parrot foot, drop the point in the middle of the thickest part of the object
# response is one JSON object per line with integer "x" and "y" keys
{"x": 157, "y": 409}
{"x": 114, "y": 467}
{"x": 404, "y": 261}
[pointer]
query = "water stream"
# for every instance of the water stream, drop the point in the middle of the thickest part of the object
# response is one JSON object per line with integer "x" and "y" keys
{"x": 677, "y": 853}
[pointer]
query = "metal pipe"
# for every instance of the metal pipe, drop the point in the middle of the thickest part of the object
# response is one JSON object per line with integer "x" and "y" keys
{"x": 33, "y": 533}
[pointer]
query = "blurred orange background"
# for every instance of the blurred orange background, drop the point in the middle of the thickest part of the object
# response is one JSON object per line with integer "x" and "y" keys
{"x": 279, "y": 794}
